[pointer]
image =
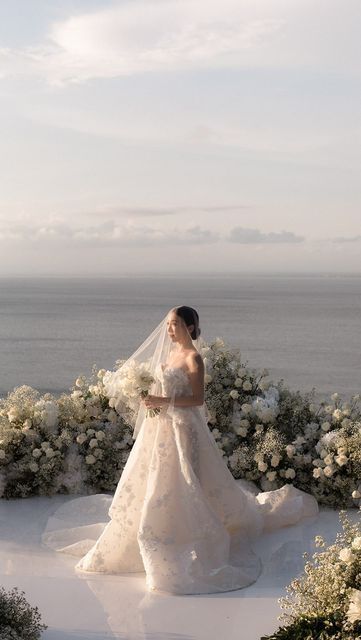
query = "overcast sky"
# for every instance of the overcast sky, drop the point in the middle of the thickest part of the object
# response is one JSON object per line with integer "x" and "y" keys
{"x": 194, "y": 135}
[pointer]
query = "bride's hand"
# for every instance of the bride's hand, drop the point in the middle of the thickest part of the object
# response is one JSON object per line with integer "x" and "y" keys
{"x": 152, "y": 402}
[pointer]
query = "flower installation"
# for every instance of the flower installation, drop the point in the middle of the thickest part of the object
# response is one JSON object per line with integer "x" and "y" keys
{"x": 79, "y": 442}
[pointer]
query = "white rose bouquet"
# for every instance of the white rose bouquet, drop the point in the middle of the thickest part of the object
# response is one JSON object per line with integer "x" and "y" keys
{"x": 128, "y": 385}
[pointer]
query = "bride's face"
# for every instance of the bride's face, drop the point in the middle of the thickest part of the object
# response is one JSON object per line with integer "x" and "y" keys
{"x": 176, "y": 328}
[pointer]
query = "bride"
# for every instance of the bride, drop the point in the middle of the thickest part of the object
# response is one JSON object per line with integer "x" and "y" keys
{"x": 177, "y": 513}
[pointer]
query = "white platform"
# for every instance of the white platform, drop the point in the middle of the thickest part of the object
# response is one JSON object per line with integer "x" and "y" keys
{"x": 78, "y": 607}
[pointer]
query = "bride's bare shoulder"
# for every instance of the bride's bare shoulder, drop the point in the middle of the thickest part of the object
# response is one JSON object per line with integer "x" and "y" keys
{"x": 194, "y": 360}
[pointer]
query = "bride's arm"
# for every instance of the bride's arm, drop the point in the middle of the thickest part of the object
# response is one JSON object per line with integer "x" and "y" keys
{"x": 196, "y": 377}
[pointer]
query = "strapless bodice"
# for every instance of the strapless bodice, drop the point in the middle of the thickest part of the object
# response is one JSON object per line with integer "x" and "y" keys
{"x": 174, "y": 379}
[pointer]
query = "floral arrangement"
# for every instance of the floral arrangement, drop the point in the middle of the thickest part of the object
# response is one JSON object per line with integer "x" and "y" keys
{"x": 80, "y": 441}
{"x": 126, "y": 386}
{"x": 18, "y": 620}
{"x": 325, "y": 601}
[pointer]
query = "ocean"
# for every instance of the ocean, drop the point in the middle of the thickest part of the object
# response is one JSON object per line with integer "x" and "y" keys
{"x": 304, "y": 329}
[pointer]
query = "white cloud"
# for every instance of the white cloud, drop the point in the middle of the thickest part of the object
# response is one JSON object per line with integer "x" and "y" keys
{"x": 167, "y": 35}
{"x": 356, "y": 238}
{"x": 255, "y": 236}
{"x": 108, "y": 234}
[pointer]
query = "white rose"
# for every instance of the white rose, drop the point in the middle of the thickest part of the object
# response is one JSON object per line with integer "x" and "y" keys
{"x": 356, "y": 543}
{"x": 238, "y": 382}
{"x": 290, "y": 473}
{"x": 354, "y": 610}
{"x": 80, "y": 381}
{"x": 81, "y": 438}
{"x": 356, "y": 494}
{"x": 37, "y": 453}
{"x": 247, "y": 385}
{"x": 244, "y": 423}
{"x": 290, "y": 450}
{"x": 50, "y": 453}
{"x": 90, "y": 432}
{"x": 234, "y": 394}
{"x": 275, "y": 460}
{"x": 101, "y": 373}
{"x": 262, "y": 466}
{"x": 317, "y": 473}
{"x": 33, "y": 466}
{"x": 325, "y": 426}
{"x": 2, "y": 454}
{"x": 100, "y": 435}
{"x": 346, "y": 555}
{"x": 341, "y": 451}
{"x": 13, "y": 414}
{"x": 341, "y": 460}
{"x": 337, "y": 414}
{"x": 93, "y": 443}
{"x": 90, "y": 459}
{"x": 246, "y": 408}
{"x": 241, "y": 431}
{"x": 328, "y": 471}
{"x": 271, "y": 475}
{"x": 328, "y": 459}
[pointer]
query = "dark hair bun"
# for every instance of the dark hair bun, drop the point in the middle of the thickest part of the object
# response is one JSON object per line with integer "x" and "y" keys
{"x": 190, "y": 317}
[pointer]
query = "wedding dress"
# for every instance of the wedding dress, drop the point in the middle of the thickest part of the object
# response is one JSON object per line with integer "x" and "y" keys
{"x": 177, "y": 513}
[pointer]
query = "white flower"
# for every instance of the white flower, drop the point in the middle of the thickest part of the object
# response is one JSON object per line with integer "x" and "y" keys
{"x": 100, "y": 435}
{"x": 50, "y": 453}
{"x": 81, "y": 438}
{"x": 246, "y": 408}
{"x": 335, "y": 396}
{"x": 337, "y": 414}
{"x": 2, "y": 454}
{"x": 262, "y": 466}
{"x": 275, "y": 460}
{"x": 37, "y": 453}
{"x": 290, "y": 473}
{"x": 290, "y": 450}
{"x": 329, "y": 471}
{"x": 241, "y": 431}
{"x": 325, "y": 426}
{"x": 317, "y": 473}
{"x": 101, "y": 373}
{"x": 328, "y": 459}
{"x": 93, "y": 443}
{"x": 76, "y": 394}
{"x": 238, "y": 382}
{"x": 80, "y": 381}
{"x": 13, "y": 414}
{"x": 244, "y": 423}
{"x": 27, "y": 424}
{"x": 346, "y": 555}
{"x": 90, "y": 459}
{"x": 356, "y": 543}
{"x": 341, "y": 451}
{"x": 356, "y": 494}
{"x": 247, "y": 385}
{"x": 234, "y": 394}
{"x": 354, "y": 610}
{"x": 271, "y": 475}
{"x": 90, "y": 432}
{"x": 33, "y": 466}
{"x": 259, "y": 428}
{"x": 341, "y": 460}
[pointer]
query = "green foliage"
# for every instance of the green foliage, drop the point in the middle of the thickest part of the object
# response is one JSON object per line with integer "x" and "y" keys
{"x": 18, "y": 619}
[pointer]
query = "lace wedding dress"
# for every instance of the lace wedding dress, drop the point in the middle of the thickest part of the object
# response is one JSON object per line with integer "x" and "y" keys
{"x": 177, "y": 513}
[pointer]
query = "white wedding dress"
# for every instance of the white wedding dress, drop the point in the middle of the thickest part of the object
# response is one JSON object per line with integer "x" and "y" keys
{"x": 177, "y": 513}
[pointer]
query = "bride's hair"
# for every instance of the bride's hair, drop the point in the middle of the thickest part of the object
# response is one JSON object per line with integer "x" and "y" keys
{"x": 190, "y": 316}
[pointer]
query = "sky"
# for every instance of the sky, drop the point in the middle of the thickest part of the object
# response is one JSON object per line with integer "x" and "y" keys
{"x": 167, "y": 136}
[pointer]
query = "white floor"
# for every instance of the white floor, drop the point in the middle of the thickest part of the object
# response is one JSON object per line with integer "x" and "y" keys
{"x": 78, "y": 607}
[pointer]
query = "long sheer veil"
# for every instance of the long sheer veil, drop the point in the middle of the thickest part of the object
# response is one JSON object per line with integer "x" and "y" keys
{"x": 154, "y": 351}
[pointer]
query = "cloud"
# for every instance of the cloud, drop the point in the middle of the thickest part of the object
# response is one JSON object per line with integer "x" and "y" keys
{"x": 350, "y": 239}
{"x": 169, "y": 35}
{"x": 244, "y": 235}
{"x": 143, "y": 36}
{"x": 148, "y": 212}
{"x": 108, "y": 234}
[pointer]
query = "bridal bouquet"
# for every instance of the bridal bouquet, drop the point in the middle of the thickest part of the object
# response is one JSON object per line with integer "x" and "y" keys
{"x": 128, "y": 385}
